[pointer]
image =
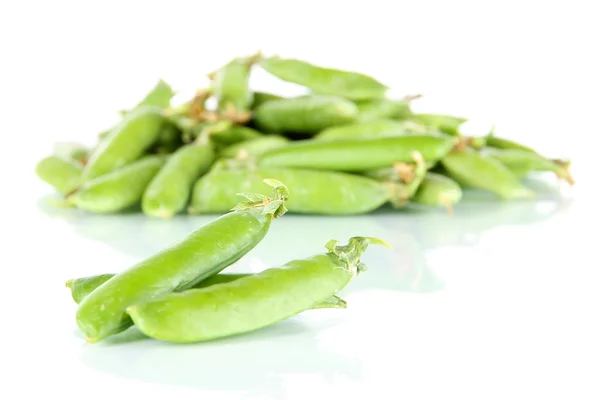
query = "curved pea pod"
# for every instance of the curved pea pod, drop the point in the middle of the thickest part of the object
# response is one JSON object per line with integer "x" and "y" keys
{"x": 315, "y": 192}
{"x": 255, "y": 147}
{"x": 329, "y": 81}
{"x": 253, "y": 302}
{"x": 230, "y": 86}
{"x": 437, "y": 190}
{"x": 62, "y": 174}
{"x": 263, "y": 97}
{"x": 125, "y": 143}
{"x": 444, "y": 123}
{"x": 369, "y": 110}
{"x": 358, "y": 154}
{"x": 522, "y": 162}
{"x": 473, "y": 169}
{"x": 203, "y": 253}
{"x": 305, "y": 114}
{"x": 169, "y": 191}
{"x": 82, "y": 287}
{"x": 119, "y": 189}
{"x": 374, "y": 129}
{"x": 234, "y": 134}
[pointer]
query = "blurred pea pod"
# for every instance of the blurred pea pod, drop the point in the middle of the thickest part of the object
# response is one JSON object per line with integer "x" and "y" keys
{"x": 255, "y": 147}
{"x": 263, "y": 97}
{"x": 305, "y": 114}
{"x": 369, "y": 110}
{"x": 437, "y": 190}
{"x": 374, "y": 129}
{"x": 62, "y": 174}
{"x": 72, "y": 151}
{"x": 473, "y": 169}
{"x": 523, "y": 162}
{"x": 445, "y": 123}
{"x": 327, "y": 81}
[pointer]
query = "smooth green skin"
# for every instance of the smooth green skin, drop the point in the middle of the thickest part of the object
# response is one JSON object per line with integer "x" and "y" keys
{"x": 235, "y": 134}
{"x": 357, "y": 155}
{"x": 160, "y": 96}
{"x": 369, "y": 110}
{"x": 119, "y": 189}
{"x": 305, "y": 114}
{"x": 506, "y": 144}
{"x": 438, "y": 191}
{"x": 444, "y": 123}
{"x": 263, "y": 97}
{"x": 82, "y": 287}
{"x": 313, "y": 192}
{"x": 255, "y": 147}
{"x": 203, "y": 253}
{"x": 62, "y": 174}
{"x": 125, "y": 143}
{"x": 230, "y": 85}
{"x": 244, "y": 305}
{"x": 329, "y": 81}
{"x": 169, "y": 191}
{"x": 473, "y": 169}
{"x": 373, "y": 129}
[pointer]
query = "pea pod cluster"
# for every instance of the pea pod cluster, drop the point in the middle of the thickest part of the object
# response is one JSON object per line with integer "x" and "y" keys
{"x": 345, "y": 146}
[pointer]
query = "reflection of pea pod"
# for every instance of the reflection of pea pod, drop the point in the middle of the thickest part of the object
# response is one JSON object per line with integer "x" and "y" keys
{"x": 230, "y": 85}
{"x": 305, "y": 114}
{"x": 62, "y": 174}
{"x": 438, "y": 191}
{"x": 169, "y": 191}
{"x": 126, "y": 142}
{"x": 328, "y": 81}
{"x": 119, "y": 189}
{"x": 445, "y": 123}
{"x": 81, "y": 287}
{"x": 263, "y": 97}
{"x": 470, "y": 168}
{"x": 315, "y": 192}
{"x": 370, "y": 110}
{"x": 358, "y": 154}
{"x": 255, "y": 147}
{"x": 374, "y": 129}
{"x": 522, "y": 163}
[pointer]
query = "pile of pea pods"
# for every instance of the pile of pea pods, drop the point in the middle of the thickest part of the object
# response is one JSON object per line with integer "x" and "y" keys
{"x": 345, "y": 148}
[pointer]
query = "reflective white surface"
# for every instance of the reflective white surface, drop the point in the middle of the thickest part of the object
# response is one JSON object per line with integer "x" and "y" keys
{"x": 478, "y": 303}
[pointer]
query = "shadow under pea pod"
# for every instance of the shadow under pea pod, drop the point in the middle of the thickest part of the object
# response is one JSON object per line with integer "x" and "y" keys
{"x": 255, "y": 363}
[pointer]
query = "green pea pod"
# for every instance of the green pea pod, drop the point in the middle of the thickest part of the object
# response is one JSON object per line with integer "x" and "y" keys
{"x": 126, "y": 142}
{"x": 119, "y": 189}
{"x": 169, "y": 191}
{"x": 203, "y": 253}
{"x": 506, "y": 144}
{"x": 263, "y": 97}
{"x": 160, "y": 96}
{"x": 444, "y": 123}
{"x": 82, "y": 287}
{"x": 371, "y": 130}
{"x": 62, "y": 174}
{"x": 255, "y": 147}
{"x": 328, "y": 81}
{"x": 315, "y": 192}
{"x": 359, "y": 154}
{"x": 369, "y": 110}
{"x": 253, "y": 302}
{"x": 473, "y": 169}
{"x": 437, "y": 190}
{"x": 230, "y": 85}
{"x": 305, "y": 114}
{"x": 234, "y": 134}
{"x": 522, "y": 163}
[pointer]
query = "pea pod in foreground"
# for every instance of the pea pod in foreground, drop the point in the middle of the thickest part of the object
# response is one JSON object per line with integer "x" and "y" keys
{"x": 253, "y": 302}
{"x": 357, "y": 155}
{"x": 119, "y": 189}
{"x": 82, "y": 287}
{"x": 473, "y": 169}
{"x": 62, "y": 174}
{"x": 315, "y": 192}
{"x": 203, "y": 253}
{"x": 328, "y": 81}
{"x": 126, "y": 142}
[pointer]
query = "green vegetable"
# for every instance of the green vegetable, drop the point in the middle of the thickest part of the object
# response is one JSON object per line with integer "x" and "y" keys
{"x": 62, "y": 174}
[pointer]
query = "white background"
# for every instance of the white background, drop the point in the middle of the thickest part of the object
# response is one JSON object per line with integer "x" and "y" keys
{"x": 516, "y": 313}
